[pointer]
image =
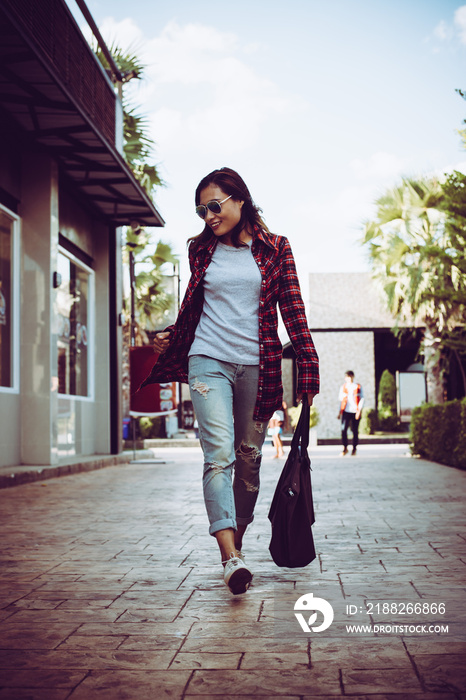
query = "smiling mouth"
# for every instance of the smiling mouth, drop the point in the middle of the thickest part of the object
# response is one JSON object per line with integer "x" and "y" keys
{"x": 215, "y": 224}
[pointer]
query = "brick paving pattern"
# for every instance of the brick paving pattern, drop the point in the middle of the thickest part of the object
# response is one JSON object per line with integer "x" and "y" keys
{"x": 111, "y": 587}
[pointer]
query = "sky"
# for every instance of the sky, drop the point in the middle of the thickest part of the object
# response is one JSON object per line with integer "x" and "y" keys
{"x": 319, "y": 105}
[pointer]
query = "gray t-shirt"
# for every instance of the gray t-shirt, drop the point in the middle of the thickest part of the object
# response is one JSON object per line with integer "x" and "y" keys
{"x": 228, "y": 329}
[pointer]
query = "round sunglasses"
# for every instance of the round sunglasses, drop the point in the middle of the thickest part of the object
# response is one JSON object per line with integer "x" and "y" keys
{"x": 214, "y": 206}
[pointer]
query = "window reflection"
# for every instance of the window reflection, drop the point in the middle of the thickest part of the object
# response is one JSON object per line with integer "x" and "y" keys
{"x": 73, "y": 328}
{"x": 6, "y": 299}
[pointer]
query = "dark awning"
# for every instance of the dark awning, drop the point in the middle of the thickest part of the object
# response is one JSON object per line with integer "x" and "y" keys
{"x": 55, "y": 89}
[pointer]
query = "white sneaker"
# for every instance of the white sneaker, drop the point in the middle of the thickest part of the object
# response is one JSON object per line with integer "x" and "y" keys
{"x": 236, "y": 575}
{"x": 241, "y": 556}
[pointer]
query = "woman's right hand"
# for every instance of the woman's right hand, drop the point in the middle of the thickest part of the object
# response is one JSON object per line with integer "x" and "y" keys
{"x": 161, "y": 342}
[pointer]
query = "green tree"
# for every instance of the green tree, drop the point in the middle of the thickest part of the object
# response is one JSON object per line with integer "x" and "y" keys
{"x": 410, "y": 250}
{"x": 462, "y": 132}
{"x": 454, "y": 205}
{"x": 386, "y": 402}
{"x": 138, "y": 146}
{"x": 152, "y": 300}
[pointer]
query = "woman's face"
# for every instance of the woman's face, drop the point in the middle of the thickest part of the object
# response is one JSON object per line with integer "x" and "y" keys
{"x": 221, "y": 224}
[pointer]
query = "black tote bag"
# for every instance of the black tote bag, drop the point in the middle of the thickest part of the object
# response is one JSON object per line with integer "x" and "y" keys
{"x": 292, "y": 510}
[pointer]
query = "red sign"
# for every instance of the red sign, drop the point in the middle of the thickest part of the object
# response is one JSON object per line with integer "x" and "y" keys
{"x": 154, "y": 398}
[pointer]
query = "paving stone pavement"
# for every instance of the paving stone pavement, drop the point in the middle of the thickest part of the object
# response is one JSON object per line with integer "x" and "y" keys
{"x": 111, "y": 588}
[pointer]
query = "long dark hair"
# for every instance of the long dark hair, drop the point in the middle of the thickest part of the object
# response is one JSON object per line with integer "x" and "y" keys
{"x": 232, "y": 184}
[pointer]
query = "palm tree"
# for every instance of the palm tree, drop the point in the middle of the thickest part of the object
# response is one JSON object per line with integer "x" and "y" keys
{"x": 462, "y": 132}
{"x": 138, "y": 145}
{"x": 454, "y": 205}
{"x": 152, "y": 300}
{"x": 148, "y": 301}
{"x": 410, "y": 253}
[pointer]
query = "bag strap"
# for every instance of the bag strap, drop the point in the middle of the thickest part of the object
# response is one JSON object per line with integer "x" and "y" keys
{"x": 301, "y": 434}
{"x": 304, "y": 428}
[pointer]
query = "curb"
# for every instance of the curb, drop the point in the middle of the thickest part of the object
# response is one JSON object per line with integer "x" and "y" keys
{"x": 162, "y": 442}
{"x": 389, "y": 439}
{"x": 25, "y": 474}
{"x": 373, "y": 440}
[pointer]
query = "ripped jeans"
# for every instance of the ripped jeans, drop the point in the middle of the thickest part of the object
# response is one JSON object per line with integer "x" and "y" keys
{"x": 224, "y": 395}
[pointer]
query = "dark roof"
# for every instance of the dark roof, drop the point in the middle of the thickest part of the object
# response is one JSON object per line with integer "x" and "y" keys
{"x": 56, "y": 90}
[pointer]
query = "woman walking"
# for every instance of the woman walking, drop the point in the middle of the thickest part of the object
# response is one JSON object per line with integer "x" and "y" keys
{"x": 277, "y": 423}
{"x": 225, "y": 345}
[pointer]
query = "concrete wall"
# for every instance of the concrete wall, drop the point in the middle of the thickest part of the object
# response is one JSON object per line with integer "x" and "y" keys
{"x": 34, "y": 418}
{"x": 39, "y": 239}
{"x": 346, "y": 300}
{"x": 343, "y": 308}
{"x": 87, "y": 421}
{"x": 339, "y": 352}
{"x": 287, "y": 377}
{"x": 10, "y": 187}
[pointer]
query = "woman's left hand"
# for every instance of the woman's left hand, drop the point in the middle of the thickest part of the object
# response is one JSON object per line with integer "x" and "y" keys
{"x": 310, "y": 397}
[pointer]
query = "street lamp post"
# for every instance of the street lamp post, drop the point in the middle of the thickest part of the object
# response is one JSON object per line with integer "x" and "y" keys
{"x": 132, "y": 283}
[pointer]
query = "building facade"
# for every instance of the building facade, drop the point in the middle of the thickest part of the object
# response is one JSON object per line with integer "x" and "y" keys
{"x": 65, "y": 192}
{"x": 351, "y": 330}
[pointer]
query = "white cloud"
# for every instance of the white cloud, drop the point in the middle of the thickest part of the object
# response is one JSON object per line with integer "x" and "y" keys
{"x": 460, "y": 166}
{"x": 211, "y": 97}
{"x": 126, "y": 34}
{"x": 168, "y": 122}
{"x": 379, "y": 166}
{"x": 441, "y": 31}
{"x": 326, "y": 235}
{"x": 215, "y": 98}
{"x": 446, "y": 31}
{"x": 189, "y": 54}
{"x": 460, "y": 22}
{"x": 357, "y": 203}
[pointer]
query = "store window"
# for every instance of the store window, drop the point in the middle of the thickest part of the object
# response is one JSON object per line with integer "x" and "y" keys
{"x": 74, "y": 318}
{"x": 9, "y": 301}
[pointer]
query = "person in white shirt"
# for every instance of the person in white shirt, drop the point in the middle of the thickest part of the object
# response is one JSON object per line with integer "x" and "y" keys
{"x": 351, "y": 399}
{"x": 275, "y": 430}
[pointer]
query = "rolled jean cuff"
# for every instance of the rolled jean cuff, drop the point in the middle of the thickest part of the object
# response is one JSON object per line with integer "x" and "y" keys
{"x": 245, "y": 521}
{"x": 222, "y": 525}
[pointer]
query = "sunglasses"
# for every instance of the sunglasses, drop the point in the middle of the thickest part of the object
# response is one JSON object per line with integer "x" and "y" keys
{"x": 214, "y": 206}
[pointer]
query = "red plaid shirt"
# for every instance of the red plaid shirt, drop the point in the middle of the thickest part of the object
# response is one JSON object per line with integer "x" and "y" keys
{"x": 280, "y": 284}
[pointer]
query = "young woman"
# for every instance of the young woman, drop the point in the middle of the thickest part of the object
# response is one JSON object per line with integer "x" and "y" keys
{"x": 225, "y": 345}
{"x": 276, "y": 425}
